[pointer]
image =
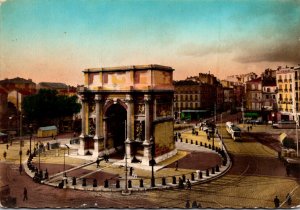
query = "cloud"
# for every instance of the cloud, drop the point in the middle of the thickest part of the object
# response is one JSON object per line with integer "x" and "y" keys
{"x": 198, "y": 50}
{"x": 283, "y": 52}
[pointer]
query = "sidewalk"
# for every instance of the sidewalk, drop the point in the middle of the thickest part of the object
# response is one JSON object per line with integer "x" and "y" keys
{"x": 166, "y": 176}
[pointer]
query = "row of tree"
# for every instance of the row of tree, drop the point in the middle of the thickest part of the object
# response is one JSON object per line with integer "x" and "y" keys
{"x": 48, "y": 107}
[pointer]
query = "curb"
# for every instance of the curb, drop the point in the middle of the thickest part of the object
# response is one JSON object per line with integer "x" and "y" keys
{"x": 205, "y": 179}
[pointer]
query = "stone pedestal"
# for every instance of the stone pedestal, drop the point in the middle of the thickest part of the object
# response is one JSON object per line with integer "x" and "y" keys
{"x": 147, "y": 153}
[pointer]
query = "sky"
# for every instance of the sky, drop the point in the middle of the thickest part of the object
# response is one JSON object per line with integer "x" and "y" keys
{"x": 54, "y": 40}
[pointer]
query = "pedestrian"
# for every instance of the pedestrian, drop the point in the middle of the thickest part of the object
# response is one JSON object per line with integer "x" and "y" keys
{"x": 98, "y": 162}
{"x": 248, "y": 128}
{"x": 4, "y": 154}
{"x": 176, "y": 165}
{"x": 194, "y": 205}
{"x": 187, "y": 204}
{"x": 25, "y": 194}
{"x": 276, "y": 202}
{"x": 7, "y": 146}
{"x": 287, "y": 170}
{"x": 188, "y": 185}
{"x": 180, "y": 183}
{"x": 20, "y": 169}
{"x": 289, "y": 199}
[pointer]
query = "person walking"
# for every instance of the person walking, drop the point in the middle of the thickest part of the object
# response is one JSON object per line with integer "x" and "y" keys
{"x": 188, "y": 185}
{"x": 194, "y": 205}
{"x": 25, "y": 194}
{"x": 276, "y": 202}
{"x": 7, "y": 146}
{"x": 289, "y": 199}
{"x": 287, "y": 170}
{"x": 98, "y": 162}
{"x": 176, "y": 165}
{"x": 187, "y": 204}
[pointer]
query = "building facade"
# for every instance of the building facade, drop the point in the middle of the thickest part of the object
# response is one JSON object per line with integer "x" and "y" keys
{"x": 128, "y": 109}
{"x": 288, "y": 79}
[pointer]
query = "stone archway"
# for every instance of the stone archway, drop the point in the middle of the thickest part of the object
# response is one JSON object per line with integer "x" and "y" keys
{"x": 115, "y": 117}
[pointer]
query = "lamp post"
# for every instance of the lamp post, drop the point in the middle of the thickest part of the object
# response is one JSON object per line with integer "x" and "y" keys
{"x": 125, "y": 191}
{"x": 152, "y": 162}
{"x": 30, "y": 127}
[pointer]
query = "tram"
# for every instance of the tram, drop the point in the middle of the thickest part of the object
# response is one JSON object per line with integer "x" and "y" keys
{"x": 234, "y": 131}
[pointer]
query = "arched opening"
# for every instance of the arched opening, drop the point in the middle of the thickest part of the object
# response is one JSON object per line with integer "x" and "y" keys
{"x": 116, "y": 115}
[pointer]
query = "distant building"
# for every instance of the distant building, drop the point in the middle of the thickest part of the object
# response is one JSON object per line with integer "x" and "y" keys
{"x": 254, "y": 98}
{"x": 242, "y": 78}
{"x": 288, "y": 82}
{"x": 198, "y": 96}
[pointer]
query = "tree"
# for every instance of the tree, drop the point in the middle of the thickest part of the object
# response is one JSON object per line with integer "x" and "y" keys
{"x": 48, "y": 107}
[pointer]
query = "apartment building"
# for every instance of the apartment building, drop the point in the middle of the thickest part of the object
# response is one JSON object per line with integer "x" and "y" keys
{"x": 288, "y": 80}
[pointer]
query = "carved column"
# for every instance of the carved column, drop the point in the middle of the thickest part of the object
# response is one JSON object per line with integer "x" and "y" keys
{"x": 129, "y": 123}
{"x": 99, "y": 125}
{"x": 83, "y": 125}
{"x": 146, "y": 143}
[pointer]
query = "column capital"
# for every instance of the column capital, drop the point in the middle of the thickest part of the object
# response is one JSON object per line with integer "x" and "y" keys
{"x": 98, "y": 98}
{"x": 128, "y": 98}
{"x": 83, "y": 98}
{"x": 147, "y": 98}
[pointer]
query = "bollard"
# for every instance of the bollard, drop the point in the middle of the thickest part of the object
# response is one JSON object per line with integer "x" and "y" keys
{"x": 163, "y": 181}
{"x": 46, "y": 175}
{"x": 83, "y": 182}
{"x": 207, "y": 172}
{"x": 183, "y": 178}
{"x": 192, "y": 177}
{"x": 200, "y": 174}
{"x": 173, "y": 180}
{"x": 196, "y": 142}
{"x": 106, "y": 183}
{"x": 209, "y": 146}
{"x": 129, "y": 184}
{"x": 118, "y": 184}
{"x": 217, "y": 168}
{"x": 74, "y": 181}
{"x": 205, "y": 144}
{"x": 180, "y": 139}
{"x": 141, "y": 183}
{"x": 95, "y": 183}
{"x": 201, "y": 143}
{"x": 212, "y": 170}
{"x": 191, "y": 141}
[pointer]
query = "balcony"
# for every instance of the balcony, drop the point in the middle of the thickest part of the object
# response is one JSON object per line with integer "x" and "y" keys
{"x": 280, "y": 80}
{"x": 290, "y": 80}
{"x": 285, "y": 90}
{"x": 285, "y": 80}
{"x": 280, "y": 89}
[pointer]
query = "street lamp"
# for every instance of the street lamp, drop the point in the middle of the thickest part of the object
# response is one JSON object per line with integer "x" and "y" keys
{"x": 152, "y": 161}
{"x": 30, "y": 127}
{"x": 126, "y": 192}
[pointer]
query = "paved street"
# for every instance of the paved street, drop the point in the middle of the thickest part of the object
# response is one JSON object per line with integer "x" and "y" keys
{"x": 253, "y": 181}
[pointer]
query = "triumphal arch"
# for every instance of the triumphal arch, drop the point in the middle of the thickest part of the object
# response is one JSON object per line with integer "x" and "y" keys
{"x": 128, "y": 110}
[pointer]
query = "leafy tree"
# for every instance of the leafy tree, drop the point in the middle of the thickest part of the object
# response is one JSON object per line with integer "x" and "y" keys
{"x": 289, "y": 143}
{"x": 48, "y": 107}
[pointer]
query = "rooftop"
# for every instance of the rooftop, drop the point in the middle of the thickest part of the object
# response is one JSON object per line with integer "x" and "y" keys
{"x": 128, "y": 68}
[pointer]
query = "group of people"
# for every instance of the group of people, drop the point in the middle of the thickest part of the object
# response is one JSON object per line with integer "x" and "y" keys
{"x": 288, "y": 200}
{"x": 194, "y": 204}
